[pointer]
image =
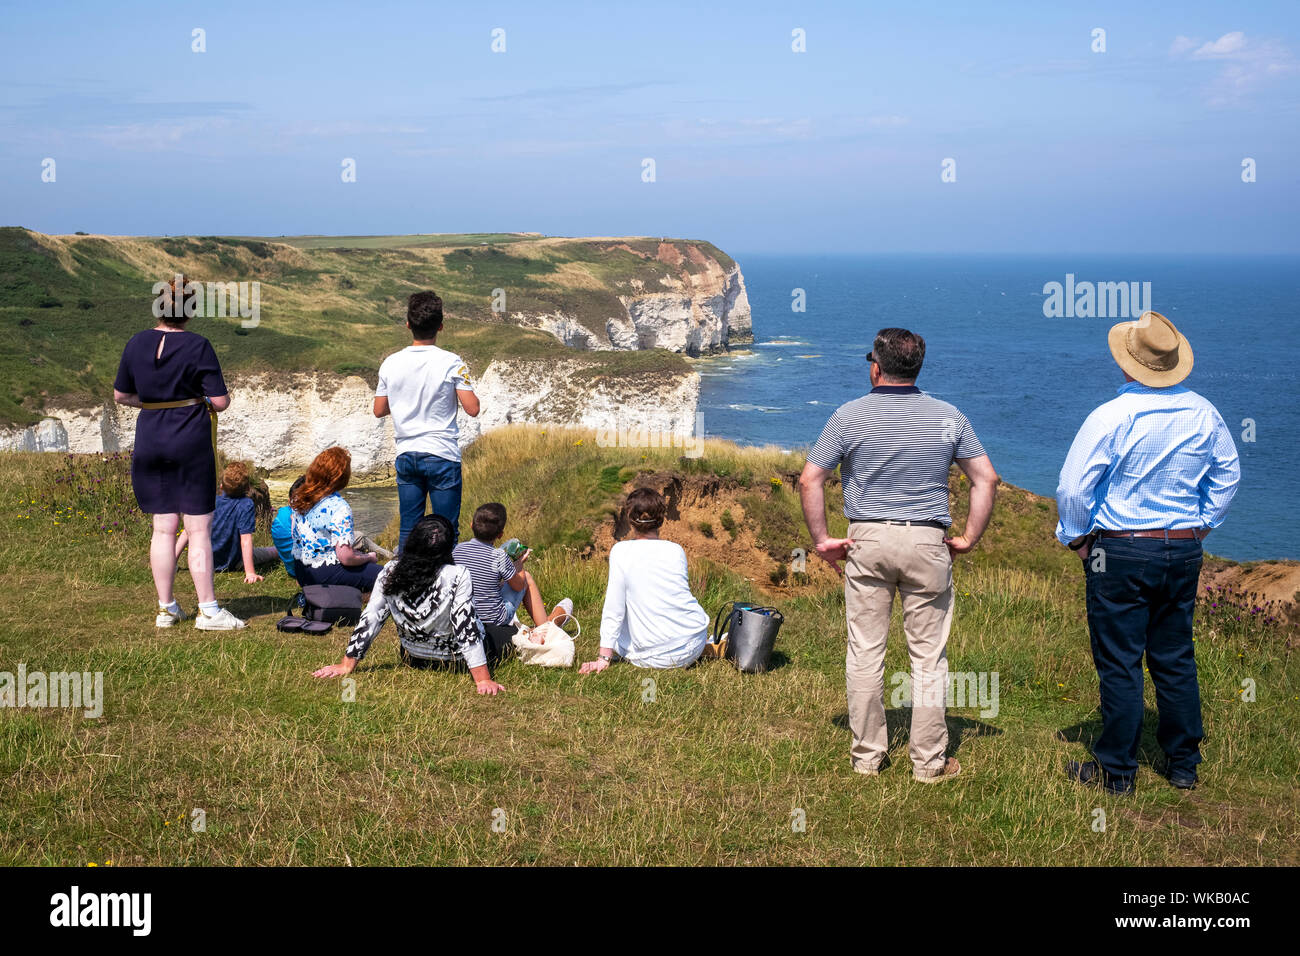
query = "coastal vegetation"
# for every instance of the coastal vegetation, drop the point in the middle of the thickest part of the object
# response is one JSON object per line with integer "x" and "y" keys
{"x": 327, "y": 304}
{"x": 630, "y": 767}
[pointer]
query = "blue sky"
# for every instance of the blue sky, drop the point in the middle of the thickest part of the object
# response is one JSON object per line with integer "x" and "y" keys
{"x": 757, "y": 148}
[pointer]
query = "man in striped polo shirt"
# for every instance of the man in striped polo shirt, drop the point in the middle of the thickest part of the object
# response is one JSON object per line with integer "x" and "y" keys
{"x": 894, "y": 447}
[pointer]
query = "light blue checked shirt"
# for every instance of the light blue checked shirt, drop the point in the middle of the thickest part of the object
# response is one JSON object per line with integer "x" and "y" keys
{"x": 1148, "y": 458}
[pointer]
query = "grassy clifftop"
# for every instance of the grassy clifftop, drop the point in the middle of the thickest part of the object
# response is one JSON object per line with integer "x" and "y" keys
{"x": 699, "y": 766}
{"x": 328, "y": 304}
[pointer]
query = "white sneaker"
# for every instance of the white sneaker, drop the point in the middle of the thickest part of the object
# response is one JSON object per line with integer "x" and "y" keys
{"x": 223, "y": 620}
{"x": 166, "y": 618}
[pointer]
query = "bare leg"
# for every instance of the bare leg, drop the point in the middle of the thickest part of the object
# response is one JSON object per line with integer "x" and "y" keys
{"x": 162, "y": 556}
{"x": 533, "y": 600}
{"x": 181, "y": 541}
{"x": 200, "y": 531}
{"x": 533, "y": 603}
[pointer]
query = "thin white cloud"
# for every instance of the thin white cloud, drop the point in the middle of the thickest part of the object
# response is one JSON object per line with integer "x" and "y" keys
{"x": 1246, "y": 65}
{"x": 1229, "y": 44}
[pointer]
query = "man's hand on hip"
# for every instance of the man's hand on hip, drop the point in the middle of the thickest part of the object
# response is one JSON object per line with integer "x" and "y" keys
{"x": 833, "y": 551}
{"x": 959, "y": 545}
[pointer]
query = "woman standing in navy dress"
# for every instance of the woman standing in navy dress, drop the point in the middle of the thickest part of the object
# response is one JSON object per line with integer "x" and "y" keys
{"x": 173, "y": 377}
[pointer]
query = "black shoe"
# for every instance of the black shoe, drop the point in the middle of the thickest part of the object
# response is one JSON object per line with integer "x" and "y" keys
{"x": 1182, "y": 779}
{"x": 1090, "y": 775}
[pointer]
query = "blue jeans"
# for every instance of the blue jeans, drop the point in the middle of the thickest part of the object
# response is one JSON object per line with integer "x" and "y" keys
{"x": 421, "y": 475}
{"x": 510, "y": 601}
{"x": 1142, "y": 603}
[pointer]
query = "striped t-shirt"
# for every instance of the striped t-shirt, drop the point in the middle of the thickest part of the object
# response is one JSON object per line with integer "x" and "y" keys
{"x": 894, "y": 447}
{"x": 488, "y": 568}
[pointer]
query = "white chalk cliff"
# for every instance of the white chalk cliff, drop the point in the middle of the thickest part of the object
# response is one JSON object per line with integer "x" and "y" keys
{"x": 283, "y": 422}
{"x": 695, "y": 314}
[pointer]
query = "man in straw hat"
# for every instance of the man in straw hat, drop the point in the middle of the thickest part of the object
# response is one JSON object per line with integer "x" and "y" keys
{"x": 1149, "y": 474}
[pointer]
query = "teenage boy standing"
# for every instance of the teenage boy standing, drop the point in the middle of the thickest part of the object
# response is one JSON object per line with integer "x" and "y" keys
{"x": 422, "y": 387}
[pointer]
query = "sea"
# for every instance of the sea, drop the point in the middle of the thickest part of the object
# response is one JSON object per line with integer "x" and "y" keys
{"x": 1024, "y": 378}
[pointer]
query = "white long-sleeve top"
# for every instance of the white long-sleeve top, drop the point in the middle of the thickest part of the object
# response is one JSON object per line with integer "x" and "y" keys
{"x": 651, "y": 619}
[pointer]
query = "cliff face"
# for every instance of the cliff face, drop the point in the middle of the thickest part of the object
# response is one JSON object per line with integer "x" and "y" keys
{"x": 283, "y": 422}
{"x": 332, "y": 307}
{"x": 693, "y": 313}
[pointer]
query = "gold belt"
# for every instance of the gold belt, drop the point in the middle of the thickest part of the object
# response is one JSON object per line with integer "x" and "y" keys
{"x": 212, "y": 414}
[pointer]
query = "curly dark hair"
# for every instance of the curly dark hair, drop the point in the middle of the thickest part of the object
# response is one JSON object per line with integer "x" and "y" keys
{"x": 424, "y": 314}
{"x": 427, "y": 549}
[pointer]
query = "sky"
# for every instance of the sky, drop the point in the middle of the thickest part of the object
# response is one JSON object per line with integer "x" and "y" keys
{"x": 756, "y": 147}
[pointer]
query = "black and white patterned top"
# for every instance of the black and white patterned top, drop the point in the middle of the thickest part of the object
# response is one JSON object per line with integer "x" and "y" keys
{"x": 439, "y": 625}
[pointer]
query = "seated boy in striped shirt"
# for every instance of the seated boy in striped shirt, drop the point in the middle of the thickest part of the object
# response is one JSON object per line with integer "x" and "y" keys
{"x": 500, "y": 584}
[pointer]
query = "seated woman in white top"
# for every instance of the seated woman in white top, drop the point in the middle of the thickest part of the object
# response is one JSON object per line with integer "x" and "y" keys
{"x": 431, "y": 601}
{"x": 651, "y": 618}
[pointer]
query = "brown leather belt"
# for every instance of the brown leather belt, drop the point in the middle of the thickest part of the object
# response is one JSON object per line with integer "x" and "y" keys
{"x": 1178, "y": 534}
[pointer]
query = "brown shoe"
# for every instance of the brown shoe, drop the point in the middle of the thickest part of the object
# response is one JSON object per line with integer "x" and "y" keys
{"x": 950, "y": 769}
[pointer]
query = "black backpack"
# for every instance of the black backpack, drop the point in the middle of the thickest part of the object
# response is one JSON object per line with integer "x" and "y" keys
{"x": 336, "y": 603}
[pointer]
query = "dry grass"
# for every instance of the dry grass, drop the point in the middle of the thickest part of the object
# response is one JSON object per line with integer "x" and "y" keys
{"x": 588, "y": 770}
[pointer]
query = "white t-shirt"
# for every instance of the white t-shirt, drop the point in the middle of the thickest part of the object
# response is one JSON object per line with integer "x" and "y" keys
{"x": 421, "y": 382}
{"x": 651, "y": 618}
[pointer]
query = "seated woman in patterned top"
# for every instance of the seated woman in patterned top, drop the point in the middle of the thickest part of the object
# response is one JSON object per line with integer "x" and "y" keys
{"x": 323, "y": 534}
{"x": 431, "y": 600}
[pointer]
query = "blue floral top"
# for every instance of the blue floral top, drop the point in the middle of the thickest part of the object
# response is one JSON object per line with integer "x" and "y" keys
{"x": 322, "y": 529}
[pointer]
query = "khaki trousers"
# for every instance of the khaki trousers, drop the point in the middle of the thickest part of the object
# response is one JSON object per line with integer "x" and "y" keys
{"x": 914, "y": 561}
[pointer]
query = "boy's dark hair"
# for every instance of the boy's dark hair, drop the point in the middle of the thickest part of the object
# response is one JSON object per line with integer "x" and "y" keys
{"x": 645, "y": 509}
{"x": 899, "y": 353}
{"x": 489, "y": 521}
{"x": 424, "y": 314}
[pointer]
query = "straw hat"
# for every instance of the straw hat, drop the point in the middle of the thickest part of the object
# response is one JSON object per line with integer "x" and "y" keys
{"x": 1152, "y": 350}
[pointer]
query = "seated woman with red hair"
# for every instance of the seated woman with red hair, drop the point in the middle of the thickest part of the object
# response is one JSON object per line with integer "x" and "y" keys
{"x": 322, "y": 527}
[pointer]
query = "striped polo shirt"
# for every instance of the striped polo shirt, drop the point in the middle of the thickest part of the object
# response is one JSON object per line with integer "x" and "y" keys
{"x": 894, "y": 447}
{"x": 488, "y": 568}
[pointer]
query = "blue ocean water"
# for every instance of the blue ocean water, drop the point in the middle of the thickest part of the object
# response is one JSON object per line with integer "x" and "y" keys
{"x": 1026, "y": 382}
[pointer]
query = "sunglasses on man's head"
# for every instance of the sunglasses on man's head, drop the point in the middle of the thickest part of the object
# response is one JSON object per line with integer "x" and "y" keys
{"x": 871, "y": 357}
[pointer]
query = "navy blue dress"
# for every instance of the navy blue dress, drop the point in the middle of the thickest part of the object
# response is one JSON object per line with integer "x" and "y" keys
{"x": 173, "y": 470}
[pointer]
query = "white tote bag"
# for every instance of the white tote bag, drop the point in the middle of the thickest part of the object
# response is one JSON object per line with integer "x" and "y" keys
{"x": 547, "y": 645}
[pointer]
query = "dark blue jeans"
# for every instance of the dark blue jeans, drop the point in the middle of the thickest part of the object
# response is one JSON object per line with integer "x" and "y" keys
{"x": 419, "y": 476}
{"x": 1141, "y": 602}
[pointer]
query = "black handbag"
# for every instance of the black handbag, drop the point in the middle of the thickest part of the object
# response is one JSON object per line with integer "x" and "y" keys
{"x": 336, "y": 603}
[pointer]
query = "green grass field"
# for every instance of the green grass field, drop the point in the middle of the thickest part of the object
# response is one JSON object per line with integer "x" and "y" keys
{"x": 716, "y": 768}
{"x": 434, "y": 240}
{"x": 335, "y": 305}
